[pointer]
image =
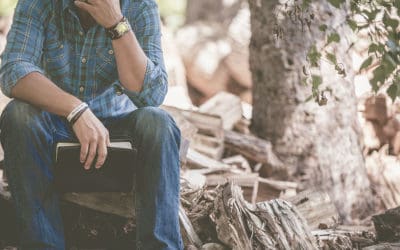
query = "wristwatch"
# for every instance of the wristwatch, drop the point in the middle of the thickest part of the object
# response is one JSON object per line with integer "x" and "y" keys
{"x": 119, "y": 29}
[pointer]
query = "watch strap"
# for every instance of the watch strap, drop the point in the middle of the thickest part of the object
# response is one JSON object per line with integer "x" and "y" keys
{"x": 116, "y": 32}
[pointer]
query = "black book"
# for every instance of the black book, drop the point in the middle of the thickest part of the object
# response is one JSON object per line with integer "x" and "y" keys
{"x": 116, "y": 174}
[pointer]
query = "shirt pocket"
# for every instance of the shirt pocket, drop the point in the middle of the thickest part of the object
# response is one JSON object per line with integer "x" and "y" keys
{"x": 56, "y": 59}
{"x": 106, "y": 66}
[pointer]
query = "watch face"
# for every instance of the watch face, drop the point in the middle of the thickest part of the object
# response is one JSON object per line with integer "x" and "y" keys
{"x": 122, "y": 28}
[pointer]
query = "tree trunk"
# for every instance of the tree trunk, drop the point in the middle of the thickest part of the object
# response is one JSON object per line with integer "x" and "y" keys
{"x": 319, "y": 144}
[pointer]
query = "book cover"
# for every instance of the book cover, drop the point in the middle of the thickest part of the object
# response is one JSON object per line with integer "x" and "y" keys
{"x": 116, "y": 174}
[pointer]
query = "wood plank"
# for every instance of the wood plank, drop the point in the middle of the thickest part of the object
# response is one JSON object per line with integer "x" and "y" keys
{"x": 197, "y": 160}
{"x": 256, "y": 149}
{"x": 121, "y": 204}
{"x": 225, "y": 105}
{"x": 209, "y": 138}
{"x": 243, "y": 180}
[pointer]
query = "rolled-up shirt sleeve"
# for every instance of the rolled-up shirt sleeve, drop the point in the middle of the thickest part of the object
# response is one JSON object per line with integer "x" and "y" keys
{"x": 23, "y": 51}
{"x": 147, "y": 28}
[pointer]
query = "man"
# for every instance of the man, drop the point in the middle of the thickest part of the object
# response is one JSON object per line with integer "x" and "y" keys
{"x": 88, "y": 70}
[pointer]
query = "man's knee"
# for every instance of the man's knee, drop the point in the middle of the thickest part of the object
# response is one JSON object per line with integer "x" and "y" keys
{"x": 19, "y": 115}
{"x": 155, "y": 121}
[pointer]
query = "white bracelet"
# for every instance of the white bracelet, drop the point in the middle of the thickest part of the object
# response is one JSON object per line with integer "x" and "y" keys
{"x": 76, "y": 111}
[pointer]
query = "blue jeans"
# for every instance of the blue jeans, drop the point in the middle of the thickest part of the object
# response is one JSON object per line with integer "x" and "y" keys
{"x": 28, "y": 136}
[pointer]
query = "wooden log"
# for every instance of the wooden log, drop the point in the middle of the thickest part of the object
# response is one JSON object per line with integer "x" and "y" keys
{"x": 270, "y": 225}
{"x": 91, "y": 220}
{"x": 376, "y": 109}
{"x": 225, "y": 105}
{"x": 384, "y": 173}
{"x": 247, "y": 181}
{"x": 257, "y": 150}
{"x": 200, "y": 161}
{"x": 213, "y": 246}
{"x": 317, "y": 208}
{"x": 239, "y": 162}
{"x": 383, "y": 246}
{"x": 209, "y": 139}
{"x": 279, "y": 185}
{"x": 189, "y": 233}
{"x": 83, "y": 227}
{"x": 350, "y": 237}
{"x": 188, "y": 131}
{"x": 387, "y": 225}
{"x": 243, "y": 126}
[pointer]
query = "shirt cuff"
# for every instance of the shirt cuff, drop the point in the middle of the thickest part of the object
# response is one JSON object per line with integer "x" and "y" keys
{"x": 140, "y": 99}
{"x": 11, "y": 74}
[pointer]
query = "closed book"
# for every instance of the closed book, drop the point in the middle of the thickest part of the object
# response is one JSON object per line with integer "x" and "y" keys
{"x": 116, "y": 174}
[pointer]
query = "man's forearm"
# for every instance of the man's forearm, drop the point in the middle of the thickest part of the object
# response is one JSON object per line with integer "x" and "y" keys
{"x": 40, "y": 91}
{"x": 131, "y": 61}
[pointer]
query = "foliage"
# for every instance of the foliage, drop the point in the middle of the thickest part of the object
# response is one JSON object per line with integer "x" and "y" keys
{"x": 7, "y": 6}
{"x": 172, "y": 11}
{"x": 379, "y": 19}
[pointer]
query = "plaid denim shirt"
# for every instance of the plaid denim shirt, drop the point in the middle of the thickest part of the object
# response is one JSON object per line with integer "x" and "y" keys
{"x": 46, "y": 37}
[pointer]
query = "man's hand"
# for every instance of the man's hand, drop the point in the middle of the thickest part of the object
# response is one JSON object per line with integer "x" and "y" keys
{"x": 94, "y": 139}
{"x": 105, "y": 12}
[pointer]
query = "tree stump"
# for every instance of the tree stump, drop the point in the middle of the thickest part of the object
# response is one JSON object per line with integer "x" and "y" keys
{"x": 275, "y": 224}
{"x": 83, "y": 227}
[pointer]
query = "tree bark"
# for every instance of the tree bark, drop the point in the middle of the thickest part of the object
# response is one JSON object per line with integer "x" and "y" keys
{"x": 320, "y": 144}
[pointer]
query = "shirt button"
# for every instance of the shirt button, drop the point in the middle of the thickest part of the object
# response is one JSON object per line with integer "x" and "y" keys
{"x": 84, "y": 60}
{"x": 81, "y": 89}
{"x": 80, "y": 33}
{"x": 111, "y": 52}
{"x": 61, "y": 46}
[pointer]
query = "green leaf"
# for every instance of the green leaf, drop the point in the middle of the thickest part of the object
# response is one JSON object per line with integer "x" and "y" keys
{"x": 373, "y": 48}
{"x": 371, "y": 14}
{"x": 336, "y": 3}
{"x": 331, "y": 57}
{"x": 393, "y": 91}
{"x": 397, "y": 5}
{"x": 389, "y": 63}
{"x": 314, "y": 56}
{"x": 323, "y": 27}
{"x": 353, "y": 25}
{"x": 334, "y": 37}
{"x": 378, "y": 78}
{"x": 309, "y": 98}
{"x": 390, "y": 22}
{"x": 366, "y": 63}
{"x": 316, "y": 81}
{"x": 306, "y": 4}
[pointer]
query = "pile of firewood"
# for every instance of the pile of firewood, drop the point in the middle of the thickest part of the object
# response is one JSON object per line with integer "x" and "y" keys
{"x": 225, "y": 204}
{"x": 380, "y": 120}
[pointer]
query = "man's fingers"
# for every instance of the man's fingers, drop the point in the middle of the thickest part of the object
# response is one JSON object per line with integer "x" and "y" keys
{"x": 108, "y": 142}
{"x": 84, "y": 152}
{"x": 101, "y": 153}
{"x": 84, "y": 5}
{"x": 91, "y": 155}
